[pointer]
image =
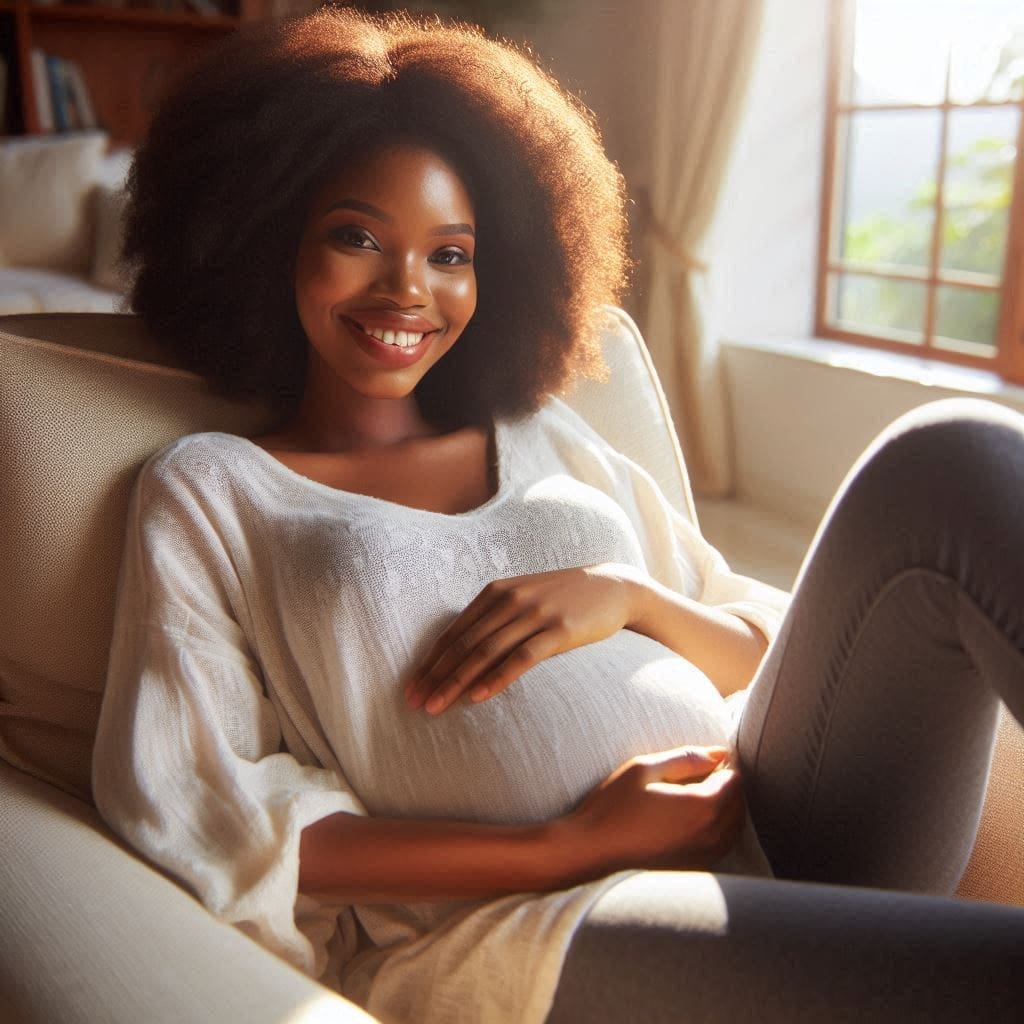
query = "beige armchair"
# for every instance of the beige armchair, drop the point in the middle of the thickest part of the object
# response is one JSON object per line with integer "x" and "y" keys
{"x": 88, "y": 932}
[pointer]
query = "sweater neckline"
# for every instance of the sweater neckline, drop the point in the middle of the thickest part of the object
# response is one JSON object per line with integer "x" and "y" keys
{"x": 339, "y": 493}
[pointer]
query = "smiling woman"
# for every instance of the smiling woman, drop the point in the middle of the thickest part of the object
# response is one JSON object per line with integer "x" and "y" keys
{"x": 406, "y": 687}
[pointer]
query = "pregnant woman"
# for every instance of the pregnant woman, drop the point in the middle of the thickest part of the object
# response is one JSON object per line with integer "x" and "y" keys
{"x": 408, "y": 686}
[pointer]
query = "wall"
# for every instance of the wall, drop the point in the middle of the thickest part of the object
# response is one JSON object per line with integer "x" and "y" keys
{"x": 803, "y": 412}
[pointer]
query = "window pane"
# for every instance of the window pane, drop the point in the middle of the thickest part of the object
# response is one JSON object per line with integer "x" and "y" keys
{"x": 987, "y": 61}
{"x": 901, "y": 48}
{"x": 877, "y": 305}
{"x": 888, "y": 212}
{"x": 979, "y": 185}
{"x": 966, "y": 315}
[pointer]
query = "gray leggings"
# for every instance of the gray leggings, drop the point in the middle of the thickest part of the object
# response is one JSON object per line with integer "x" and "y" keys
{"x": 865, "y": 745}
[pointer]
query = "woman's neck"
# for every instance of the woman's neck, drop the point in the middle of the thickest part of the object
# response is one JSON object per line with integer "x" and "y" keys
{"x": 332, "y": 417}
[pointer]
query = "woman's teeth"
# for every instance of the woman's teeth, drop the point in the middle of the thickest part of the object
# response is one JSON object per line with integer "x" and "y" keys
{"x": 403, "y": 339}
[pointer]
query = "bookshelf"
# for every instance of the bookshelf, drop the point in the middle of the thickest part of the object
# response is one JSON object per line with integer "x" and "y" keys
{"x": 126, "y": 56}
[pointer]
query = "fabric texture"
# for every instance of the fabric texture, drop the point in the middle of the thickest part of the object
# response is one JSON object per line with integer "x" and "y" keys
{"x": 260, "y": 611}
{"x": 54, "y": 175}
{"x": 704, "y": 53}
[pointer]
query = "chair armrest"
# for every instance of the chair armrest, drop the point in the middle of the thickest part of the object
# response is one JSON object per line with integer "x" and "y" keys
{"x": 88, "y": 932}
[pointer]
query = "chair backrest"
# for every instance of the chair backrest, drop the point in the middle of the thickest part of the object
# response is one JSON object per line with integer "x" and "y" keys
{"x": 85, "y": 399}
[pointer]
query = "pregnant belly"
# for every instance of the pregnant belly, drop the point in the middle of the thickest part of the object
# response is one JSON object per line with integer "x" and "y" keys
{"x": 534, "y": 751}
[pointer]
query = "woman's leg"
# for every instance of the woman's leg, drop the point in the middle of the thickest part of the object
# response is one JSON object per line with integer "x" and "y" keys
{"x": 865, "y": 745}
{"x": 663, "y": 947}
{"x": 867, "y": 735}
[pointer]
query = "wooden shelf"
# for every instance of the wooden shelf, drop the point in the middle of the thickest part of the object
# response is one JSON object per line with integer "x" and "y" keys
{"x": 128, "y": 56}
{"x": 117, "y": 16}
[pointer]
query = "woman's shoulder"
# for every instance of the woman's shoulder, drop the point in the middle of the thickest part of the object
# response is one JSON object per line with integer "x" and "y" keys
{"x": 195, "y": 460}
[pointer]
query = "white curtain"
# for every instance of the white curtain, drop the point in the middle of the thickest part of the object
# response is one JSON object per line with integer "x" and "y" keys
{"x": 704, "y": 52}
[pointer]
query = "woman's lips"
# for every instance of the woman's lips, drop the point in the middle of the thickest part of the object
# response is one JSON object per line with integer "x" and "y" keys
{"x": 393, "y": 354}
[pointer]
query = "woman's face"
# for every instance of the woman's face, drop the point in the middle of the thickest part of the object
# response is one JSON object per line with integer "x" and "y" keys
{"x": 384, "y": 278}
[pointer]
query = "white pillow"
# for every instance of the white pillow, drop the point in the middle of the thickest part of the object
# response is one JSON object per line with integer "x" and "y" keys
{"x": 109, "y": 204}
{"x": 46, "y": 213}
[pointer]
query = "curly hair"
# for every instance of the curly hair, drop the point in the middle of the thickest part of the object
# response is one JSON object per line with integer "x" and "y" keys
{"x": 219, "y": 192}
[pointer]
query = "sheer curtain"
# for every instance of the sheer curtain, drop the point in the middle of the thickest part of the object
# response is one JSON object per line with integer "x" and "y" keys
{"x": 703, "y": 52}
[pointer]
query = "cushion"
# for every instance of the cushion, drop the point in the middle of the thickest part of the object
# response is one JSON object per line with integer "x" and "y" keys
{"x": 76, "y": 424}
{"x": 32, "y": 290}
{"x": 45, "y": 209}
{"x": 109, "y": 202}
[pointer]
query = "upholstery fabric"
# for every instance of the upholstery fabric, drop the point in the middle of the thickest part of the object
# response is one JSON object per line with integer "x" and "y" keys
{"x": 76, "y": 427}
{"x": 89, "y": 933}
{"x": 55, "y": 175}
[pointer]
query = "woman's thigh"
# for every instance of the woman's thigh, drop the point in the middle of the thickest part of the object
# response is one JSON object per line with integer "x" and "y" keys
{"x": 867, "y": 735}
{"x": 672, "y": 946}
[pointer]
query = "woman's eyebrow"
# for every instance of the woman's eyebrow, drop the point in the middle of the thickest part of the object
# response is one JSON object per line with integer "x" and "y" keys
{"x": 359, "y": 206}
{"x": 454, "y": 229}
{"x": 378, "y": 214}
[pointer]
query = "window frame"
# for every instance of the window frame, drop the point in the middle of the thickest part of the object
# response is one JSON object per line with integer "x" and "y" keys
{"x": 1008, "y": 359}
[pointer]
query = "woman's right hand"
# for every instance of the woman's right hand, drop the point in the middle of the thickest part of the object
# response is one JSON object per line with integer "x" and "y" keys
{"x": 680, "y": 809}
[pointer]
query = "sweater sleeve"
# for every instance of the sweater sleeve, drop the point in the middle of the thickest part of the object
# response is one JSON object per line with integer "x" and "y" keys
{"x": 674, "y": 550}
{"x": 189, "y": 765}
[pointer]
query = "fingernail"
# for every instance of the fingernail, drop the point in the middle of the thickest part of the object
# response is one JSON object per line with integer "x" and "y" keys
{"x": 435, "y": 704}
{"x": 479, "y": 693}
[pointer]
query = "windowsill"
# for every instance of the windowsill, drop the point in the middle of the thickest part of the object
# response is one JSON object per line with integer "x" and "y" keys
{"x": 929, "y": 373}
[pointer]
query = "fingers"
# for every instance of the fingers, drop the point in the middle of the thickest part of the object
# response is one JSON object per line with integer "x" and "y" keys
{"x": 682, "y": 764}
{"x": 502, "y": 633}
{"x": 493, "y": 664}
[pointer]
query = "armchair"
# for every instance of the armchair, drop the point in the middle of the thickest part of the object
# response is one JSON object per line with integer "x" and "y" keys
{"x": 88, "y": 932}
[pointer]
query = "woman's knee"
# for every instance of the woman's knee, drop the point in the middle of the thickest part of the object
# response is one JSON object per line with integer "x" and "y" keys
{"x": 965, "y": 447}
{"x": 941, "y": 474}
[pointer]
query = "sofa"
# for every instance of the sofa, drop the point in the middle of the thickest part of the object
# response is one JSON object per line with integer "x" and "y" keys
{"x": 88, "y": 932}
{"x": 61, "y": 201}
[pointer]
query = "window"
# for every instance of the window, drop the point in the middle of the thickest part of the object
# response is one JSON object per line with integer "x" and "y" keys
{"x": 922, "y": 245}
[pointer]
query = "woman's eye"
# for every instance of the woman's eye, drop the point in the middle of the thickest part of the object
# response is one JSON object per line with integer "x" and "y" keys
{"x": 354, "y": 237}
{"x": 451, "y": 256}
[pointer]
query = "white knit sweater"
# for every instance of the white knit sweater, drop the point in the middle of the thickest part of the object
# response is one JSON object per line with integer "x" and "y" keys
{"x": 265, "y": 625}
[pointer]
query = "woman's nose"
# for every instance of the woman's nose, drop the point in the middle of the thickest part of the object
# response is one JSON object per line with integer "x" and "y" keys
{"x": 403, "y": 281}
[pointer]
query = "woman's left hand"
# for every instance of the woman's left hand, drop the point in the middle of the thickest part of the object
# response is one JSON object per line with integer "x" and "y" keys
{"x": 515, "y": 623}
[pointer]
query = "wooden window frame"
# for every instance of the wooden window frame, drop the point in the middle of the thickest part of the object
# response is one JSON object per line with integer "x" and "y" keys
{"x": 1008, "y": 360}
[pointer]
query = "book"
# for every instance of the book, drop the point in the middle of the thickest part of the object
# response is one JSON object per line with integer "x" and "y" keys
{"x": 3, "y": 94}
{"x": 79, "y": 91}
{"x": 41, "y": 88}
{"x": 58, "y": 93}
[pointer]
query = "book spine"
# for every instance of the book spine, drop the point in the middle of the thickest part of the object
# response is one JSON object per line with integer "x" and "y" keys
{"x": 41, "y": 87}
{"x": 3, "y": 94}
{"x": 80, "y": 91}
{"x": 57, "y": 94}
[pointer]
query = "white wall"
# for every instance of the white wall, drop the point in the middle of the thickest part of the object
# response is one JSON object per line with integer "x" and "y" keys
{"x": 800, "y": 423}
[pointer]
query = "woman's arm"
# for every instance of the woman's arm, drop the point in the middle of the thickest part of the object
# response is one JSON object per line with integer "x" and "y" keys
{"x": 515, "y": 623}
{"x": 679, "y": 809}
